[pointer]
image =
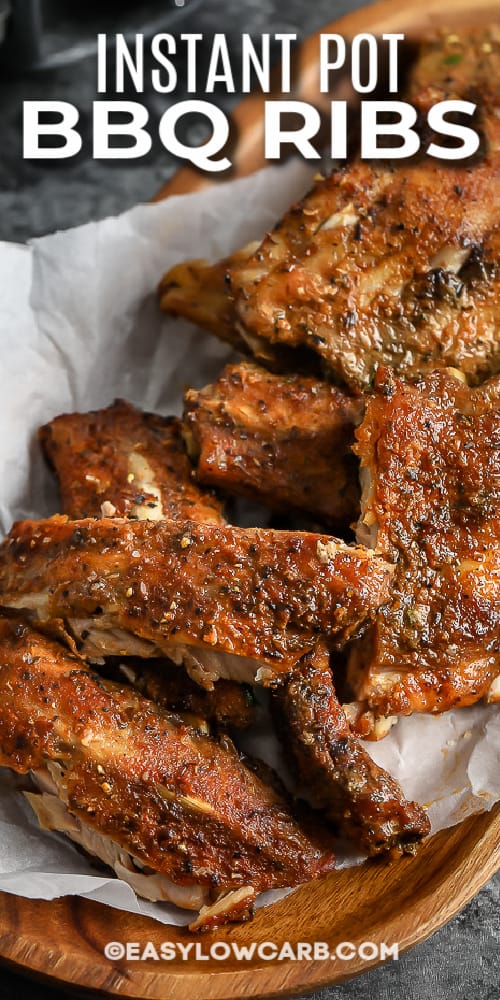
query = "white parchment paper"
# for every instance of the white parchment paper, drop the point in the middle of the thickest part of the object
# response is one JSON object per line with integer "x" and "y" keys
{"x": 80, "y": 325}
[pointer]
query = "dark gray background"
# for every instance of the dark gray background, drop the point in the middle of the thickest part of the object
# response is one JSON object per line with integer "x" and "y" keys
{"x": 461, "y": 960}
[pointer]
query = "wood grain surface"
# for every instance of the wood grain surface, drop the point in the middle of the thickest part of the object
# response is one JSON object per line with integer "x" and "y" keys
{"x": 393, "y": 901}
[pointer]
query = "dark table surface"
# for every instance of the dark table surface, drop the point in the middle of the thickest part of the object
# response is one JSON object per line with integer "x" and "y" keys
{"x": 461, "y": 960}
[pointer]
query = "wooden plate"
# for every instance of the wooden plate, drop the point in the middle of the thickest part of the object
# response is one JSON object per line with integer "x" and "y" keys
{"x": 401, "y": 901}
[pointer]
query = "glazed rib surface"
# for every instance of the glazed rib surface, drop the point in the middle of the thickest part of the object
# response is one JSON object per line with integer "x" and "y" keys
{"x": 175, "y": 800}
{"x": 362, "y": 801}
{"x": 431, "y": 455}
{"x": 121, "y": 461}
{"x": 380, "y": 262}
{"x": 284, "y": 440}
{"x": 392, "y": 264}
{"x": 258, "y": 595}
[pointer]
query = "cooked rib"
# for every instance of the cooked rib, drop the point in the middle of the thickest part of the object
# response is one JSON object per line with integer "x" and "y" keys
{"x": 282, "y": 440}
{"x": 431, "y": 452}
{"x": 364, "y": 803}
{"x": 121, "y": 461}
{"x": 228, "y": 705}
{"x": 148, "y": 588}
{"x": 196, "y": 291}
{"x": 176, "y": 814}
{"x": 52, "y": 814}
{"x": 235, "y": 906}
{"x": 93, "y": 455}
{"x": 392, "y": 264}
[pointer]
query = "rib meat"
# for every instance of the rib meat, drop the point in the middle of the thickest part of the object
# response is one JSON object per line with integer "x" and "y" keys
{"x": 196, "y": 290}
{"x": 364, "y": 803}
{"x": 93, "y": 455}
{"x": 147, "y": 588}
{"x": 373, "y": 813}
{"x": 176, "y": 814}
{"x": 390, "y": 264}
{"x": 431, "y": 456}
{"x": 282, "y": 440}
{"x": 228, "y": 705}
{"x": 125, "y": 462}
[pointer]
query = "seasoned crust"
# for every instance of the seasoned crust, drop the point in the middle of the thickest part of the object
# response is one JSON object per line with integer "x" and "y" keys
{"x": 392, "y": 264}
{"x": 121, "y": 461}
{"x": 283, "y": 440}
{"x": 362, "y": 801}
{"x": 228, "y": 705}
{"x": 249, "y": 593}
{"x": 432, "y": 451}
{"x": 171, "y": 797}
{"x": 196, "y": 290}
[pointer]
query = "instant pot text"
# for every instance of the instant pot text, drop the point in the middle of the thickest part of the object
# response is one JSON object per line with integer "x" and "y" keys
{"x": 124, "y": 129}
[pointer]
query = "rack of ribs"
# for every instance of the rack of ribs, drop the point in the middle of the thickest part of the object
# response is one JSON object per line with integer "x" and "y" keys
{"x": 283, "y": 440}
{"x": 362, "y": 801}
{"x": 430, "y": 457}
{"x": 139, "y": 789}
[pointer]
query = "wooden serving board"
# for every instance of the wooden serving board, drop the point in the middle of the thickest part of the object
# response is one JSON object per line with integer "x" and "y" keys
{"x": 393, "y": 901}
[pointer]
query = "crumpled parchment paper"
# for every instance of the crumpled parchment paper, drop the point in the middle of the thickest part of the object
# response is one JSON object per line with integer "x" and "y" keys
{"x": 80, "y": 325}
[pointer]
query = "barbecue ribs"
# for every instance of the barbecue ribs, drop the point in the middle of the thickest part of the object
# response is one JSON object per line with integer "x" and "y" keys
{"x": 136, "y": 787}
{"x": 197, "y": 290}
{"x": 92, "y": 455}
{"x": 229, "y": 705}
{"x": 171, "y": 688}
{"x": 147, "y": 588}
{"x": 228, "y": 702}
{"x": 430, "y": 455}
{"x": 390, "y": 264}
{"x": 363, "y": 802}
{"x": 121, "y": 461}
{"x": 284, "y": 440}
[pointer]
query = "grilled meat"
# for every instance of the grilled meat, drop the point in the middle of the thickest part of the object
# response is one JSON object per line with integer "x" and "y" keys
{"x": 120, "y": 461}
{"x": 196, "y": 290}
{"x": 161, "y": 588}
{"x": 364, "y": 803}
{"x": 135, "y": 786}
{"x": 228, "y": 705}
{"x": 391, "y": 264}
{"x": 431, "y": 300}
{"x": 93, "y": 455}
{"x": 282, "y": 440}
{"x": 430, "y": 453}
